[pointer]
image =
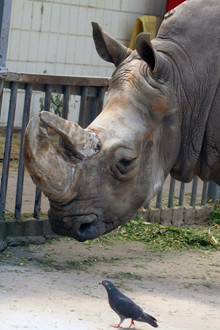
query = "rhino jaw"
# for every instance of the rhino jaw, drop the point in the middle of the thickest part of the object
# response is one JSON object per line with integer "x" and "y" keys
{"x": 83, "y": 228}
{"x": 70, "y": 220}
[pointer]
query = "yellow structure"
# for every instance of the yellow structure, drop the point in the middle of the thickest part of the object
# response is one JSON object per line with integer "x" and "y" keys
{"x": 146, "y": 23}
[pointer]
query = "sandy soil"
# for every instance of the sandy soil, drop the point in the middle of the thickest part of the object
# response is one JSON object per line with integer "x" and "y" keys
{"x": 55, "y": 286}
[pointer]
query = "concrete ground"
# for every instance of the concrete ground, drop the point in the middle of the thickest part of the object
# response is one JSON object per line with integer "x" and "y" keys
{"x": 55, "y": 286}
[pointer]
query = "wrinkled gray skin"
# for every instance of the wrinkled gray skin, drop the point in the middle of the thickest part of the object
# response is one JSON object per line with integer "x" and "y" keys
{"x": 161, "y": 116}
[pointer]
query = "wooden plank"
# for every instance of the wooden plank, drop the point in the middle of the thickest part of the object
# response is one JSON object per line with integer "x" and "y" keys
{"x": 56, "y": 79}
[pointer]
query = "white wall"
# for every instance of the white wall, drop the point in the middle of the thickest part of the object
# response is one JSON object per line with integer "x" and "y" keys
{"x": 56, "y": 35}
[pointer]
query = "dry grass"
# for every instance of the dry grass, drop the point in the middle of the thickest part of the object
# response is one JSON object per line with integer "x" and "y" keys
{"x": 16, "y": 138}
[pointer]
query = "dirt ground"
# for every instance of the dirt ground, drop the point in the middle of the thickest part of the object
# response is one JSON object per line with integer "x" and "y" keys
{"x": 55, "y": 286}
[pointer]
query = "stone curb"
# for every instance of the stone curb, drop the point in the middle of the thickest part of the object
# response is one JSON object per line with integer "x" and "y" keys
{"x": 13, "y": 233}
{"x": 177, "y": 216}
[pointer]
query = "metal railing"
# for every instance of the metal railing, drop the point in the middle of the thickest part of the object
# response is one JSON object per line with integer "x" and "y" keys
{"x": 91, "y": 91}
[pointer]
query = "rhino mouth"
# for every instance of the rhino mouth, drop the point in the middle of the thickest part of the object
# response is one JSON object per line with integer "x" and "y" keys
{"x": 82, "y": 227}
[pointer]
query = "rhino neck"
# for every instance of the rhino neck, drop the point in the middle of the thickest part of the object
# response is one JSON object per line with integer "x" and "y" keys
{"x": 195, "y": 59}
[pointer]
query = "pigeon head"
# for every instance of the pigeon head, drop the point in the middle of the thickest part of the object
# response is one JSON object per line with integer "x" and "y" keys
{"x": 108, "y": 285}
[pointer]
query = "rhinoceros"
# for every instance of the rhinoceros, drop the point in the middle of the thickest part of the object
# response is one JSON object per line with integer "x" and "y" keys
{"x": 161, "y": 116}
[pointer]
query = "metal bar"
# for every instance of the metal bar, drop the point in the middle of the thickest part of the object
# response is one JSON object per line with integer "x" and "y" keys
{"x": 204, "y": 193}
{"x": 146, "y": 206}
{"x": 7, "y": 152}
{"x": 213, "y": 191}
{"x": 159, "y": 200}
{"x": 91, "y": 110}
{"x": 181, "y": 197}
{"x": 2, "y": 81}
{"x": 20, "y": 177}
{"x": 93, "y": 106}
{"x": 83, "y": 106}
{"x": 47, "y": 99}
{"x": 5, "y": 18}
{"x": 37, "y": 203}
{"x": 38, "y": 193}
{"x": 171, "y": 192}
{"x": 100, "y": 100}
{"x": 65, "y": 108}
{"x": 66, "y": 99}
{"x": 194, "y": 192}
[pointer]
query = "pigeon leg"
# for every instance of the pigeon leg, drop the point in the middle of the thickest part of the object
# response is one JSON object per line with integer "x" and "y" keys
{"x": 119, "y": 324}
{"x": 132, "y": 323}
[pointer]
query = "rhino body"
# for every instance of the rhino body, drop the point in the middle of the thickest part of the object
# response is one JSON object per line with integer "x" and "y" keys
{"x": 161, "y": 115}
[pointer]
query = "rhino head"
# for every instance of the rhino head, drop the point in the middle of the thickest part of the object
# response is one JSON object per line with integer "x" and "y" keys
{"x": 101, "y": 175}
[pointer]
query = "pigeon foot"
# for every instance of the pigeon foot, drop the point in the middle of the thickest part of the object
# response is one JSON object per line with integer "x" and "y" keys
{"x": 115, "y": 326}
{"x": 132, "y": 323}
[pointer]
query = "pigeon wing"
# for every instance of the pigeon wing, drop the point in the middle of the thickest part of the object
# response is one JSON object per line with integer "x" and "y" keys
{"x": 125, "y": 307}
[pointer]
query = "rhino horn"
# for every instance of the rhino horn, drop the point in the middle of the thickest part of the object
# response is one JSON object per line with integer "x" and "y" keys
{"x": 50, "y": 168}
{"x": 83, "y": 143}
{"x": 107, "y": 47}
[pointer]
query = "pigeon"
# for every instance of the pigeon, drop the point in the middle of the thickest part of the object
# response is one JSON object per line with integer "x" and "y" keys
{"x": 125, "y": 307}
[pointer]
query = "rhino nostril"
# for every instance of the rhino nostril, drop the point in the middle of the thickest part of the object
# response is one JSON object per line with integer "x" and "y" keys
{"x": 90, "y": 230}
{"x": 84, "y": 227}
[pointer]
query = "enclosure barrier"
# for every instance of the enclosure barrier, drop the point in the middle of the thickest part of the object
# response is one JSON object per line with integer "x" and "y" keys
{"x": 91, "y": 91}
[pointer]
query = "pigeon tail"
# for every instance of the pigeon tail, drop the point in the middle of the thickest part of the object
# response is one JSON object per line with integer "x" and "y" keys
{"x": 151, "y": 320}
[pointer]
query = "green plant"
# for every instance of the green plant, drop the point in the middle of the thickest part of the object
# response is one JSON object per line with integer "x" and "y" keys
{"x": 159, "y": 237}
{"x": 56, "y": 103}
{"x": 214, "y": 217}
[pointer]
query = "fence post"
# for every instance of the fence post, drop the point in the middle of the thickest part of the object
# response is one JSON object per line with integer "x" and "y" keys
{"x": 194, "y": 192}
{"x": 7, "y": 151}
{"x": 171, "y": 192}
{"x": 213, "y": 191}
{"x": 20, "y": 177}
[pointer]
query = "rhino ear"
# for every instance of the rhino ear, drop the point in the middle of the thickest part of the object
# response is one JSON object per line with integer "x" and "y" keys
{"x": 107, "y": 47}
{"x": 146, "y": 51}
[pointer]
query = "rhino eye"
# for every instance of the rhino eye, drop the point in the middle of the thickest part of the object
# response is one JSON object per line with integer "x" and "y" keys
{"x": 126, "y": 162}
{"x": 124, "y": 166}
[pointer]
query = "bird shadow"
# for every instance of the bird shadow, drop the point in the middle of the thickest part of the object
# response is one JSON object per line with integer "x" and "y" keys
{"x": 125, "y": 328}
